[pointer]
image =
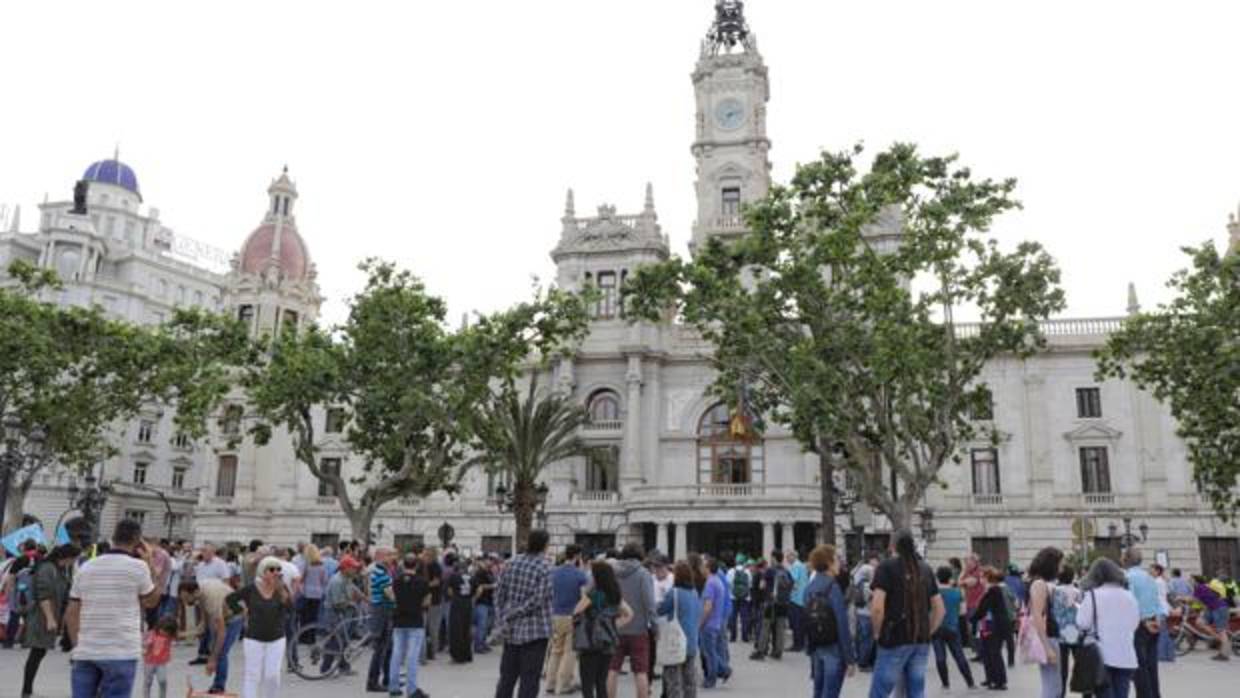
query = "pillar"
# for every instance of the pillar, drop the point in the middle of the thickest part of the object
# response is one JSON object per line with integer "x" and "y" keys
{"x": 788, "y": 541}
{"x": 630, "y": 470}
{"x": 682, "y": 539}
{"x": 660, "y": 536}
{"x": 768, "y": 538}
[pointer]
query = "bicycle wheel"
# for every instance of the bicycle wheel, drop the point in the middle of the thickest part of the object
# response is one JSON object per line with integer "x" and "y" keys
{"x": 1185, "y": 641}
{"x": 355, "y": 636}
{"x": 315, "y": 652}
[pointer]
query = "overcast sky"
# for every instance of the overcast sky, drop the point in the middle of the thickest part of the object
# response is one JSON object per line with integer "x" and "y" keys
{"x": 443, "y": 135}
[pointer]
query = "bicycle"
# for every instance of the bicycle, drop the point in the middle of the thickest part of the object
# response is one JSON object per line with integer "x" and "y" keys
{"x": 1186, "y": 630}
{"x": 319, "y": 651}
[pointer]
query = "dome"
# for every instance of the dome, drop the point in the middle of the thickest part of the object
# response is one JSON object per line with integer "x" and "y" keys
{"x": 292, "y": 256}
{"x": 113, "y": 172}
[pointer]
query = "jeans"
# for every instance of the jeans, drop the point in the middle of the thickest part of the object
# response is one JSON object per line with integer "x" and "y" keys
{"x": 104, "y": 678}
{"x": 796, "y": 621}
{"x": 434, "y": 614}
{"x": 1146, "y": 677}
{"x": 992, "y": 660}
{"x": 1050, "y": 681}
{"x": 263, "y": 663}
{"x": 745, "y": 609}
{"x": 381, "y": 656}
{"x": 711, "y": 642}
{"x": 826, "y": 670}
{"x": 1166, "y": 648}
{"x": 1121, "y": 680}
{"x": 904, "y": 664}
{"x": 232, "y": 631}
{"x": 520, "y": 662}
{"x": 865, "y": 639}
{"x": 944, "y": 642}
{"x": 482, "y": 624}
{"x": 407, "y": 648}
{"x": 738, "y": 607}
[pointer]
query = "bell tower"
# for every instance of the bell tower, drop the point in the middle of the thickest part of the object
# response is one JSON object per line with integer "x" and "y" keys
{"x": 731, "y": 89}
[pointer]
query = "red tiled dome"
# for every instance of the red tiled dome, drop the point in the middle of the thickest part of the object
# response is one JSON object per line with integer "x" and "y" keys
{"x": 294, "y": 258}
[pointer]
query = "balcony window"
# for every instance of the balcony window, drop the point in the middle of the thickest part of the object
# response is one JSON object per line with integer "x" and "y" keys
{"x": 730, "y": 200}
{"x": 729, "y": 452}
{"x": 605, "y": 308}
{"x": 178, "y": 478}
{"x": 334, "y": 422}
{"x": 604, "y": 410}
{"x": 230, "y": 423}
{"x": 146, "y": 430}
{"x": 139, "y": 472}
{"x": 1088, "y": 403}
{"x": 226, "y": 477}
{"x": 181, "y": 441}
{"x": 1095, "y": 470}
{"x": 985, "y": 471}
{"x": 601, "y": 469}
{"x": 245, "y": 315}
{"x": 329, "y": 466}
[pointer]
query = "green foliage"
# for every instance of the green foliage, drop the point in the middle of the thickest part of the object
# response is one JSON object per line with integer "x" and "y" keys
{"x": 1188, "y": 354}
{"x": 812, "y": 315}
{"x": 410, "y": 387}
{"x": 76, "y": 375}
{"x": 521, "y": 438}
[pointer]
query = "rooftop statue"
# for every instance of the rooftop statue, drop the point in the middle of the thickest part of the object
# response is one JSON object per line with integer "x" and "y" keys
{"x": 79, "y": 197}
{"x": 729, "y": 28}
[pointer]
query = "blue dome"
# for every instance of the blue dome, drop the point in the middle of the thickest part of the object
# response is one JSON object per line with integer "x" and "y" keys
{"x": 113, "y": 172}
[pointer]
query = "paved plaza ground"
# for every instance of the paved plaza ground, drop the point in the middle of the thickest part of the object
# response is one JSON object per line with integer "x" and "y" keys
{"x": 1194, "y": 675}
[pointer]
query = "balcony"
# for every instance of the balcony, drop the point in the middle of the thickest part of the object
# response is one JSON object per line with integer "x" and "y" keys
{"x": 1098, "y": 499}
{"x": 325, "y": 500}
{"x": 730, "y": 490}
{"x": 595, "y": 497}
{"x": 602, "y": 426}
{"x": 988, "y": 500}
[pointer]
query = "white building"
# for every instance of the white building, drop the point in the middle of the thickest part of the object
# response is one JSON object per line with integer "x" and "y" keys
{"x": 1070, "y": 447}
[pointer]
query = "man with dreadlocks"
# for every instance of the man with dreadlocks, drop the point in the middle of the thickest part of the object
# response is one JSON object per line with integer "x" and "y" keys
{"x": 905, "y": 610}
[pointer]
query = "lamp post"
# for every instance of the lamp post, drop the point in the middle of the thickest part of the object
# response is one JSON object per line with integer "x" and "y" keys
{"x": 1128, "y": 538}
{"x": 926, "y": 524}
{"x": 90, "y": 500}
{"x": 14, "y": 458}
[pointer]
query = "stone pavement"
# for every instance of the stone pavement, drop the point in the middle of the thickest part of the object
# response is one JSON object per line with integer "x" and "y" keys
{"x": 1194, "y": 675}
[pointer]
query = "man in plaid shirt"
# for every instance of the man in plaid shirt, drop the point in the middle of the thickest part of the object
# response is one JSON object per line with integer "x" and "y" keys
{"x": 523, "y": 609}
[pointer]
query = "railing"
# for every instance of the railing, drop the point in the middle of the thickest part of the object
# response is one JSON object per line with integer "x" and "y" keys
{"x": 987, "y": 500}
{"x": 1065, "y": 327}
{"x": 729, "y": 223}
{"x": 1097, "y": 499}
{"x": 596, "y": 496}
{"x": 729, "y": 490}
{"x": 326, "y": 500}
{"x": 603, "y": 425}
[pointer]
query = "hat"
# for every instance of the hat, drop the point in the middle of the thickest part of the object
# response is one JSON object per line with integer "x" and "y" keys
{"x": 348, "y": 563}
{"x": 268, "y": 563}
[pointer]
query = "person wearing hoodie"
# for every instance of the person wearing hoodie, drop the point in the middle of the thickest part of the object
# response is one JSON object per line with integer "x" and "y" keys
{"x": 637, "y": 590}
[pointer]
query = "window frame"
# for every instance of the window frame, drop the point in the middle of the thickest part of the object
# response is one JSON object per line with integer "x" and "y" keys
{"x": 140, "y": 471}
{"x": 723, "y": 459}
{"x": 1098, "y": 481}
{"x": 329, "y": 464}
{"x": 995, "y": 479}
{"x": 234, "y": 466}
{"x": 606, "y": 307}
{"x": 1089, "y": 403}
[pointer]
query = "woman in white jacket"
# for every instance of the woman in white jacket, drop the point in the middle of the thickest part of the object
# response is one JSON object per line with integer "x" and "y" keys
{"x": 1108, "y": 601}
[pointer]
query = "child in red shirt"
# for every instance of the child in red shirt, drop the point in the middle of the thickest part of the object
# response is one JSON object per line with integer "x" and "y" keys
{"x": 156, "y": 653}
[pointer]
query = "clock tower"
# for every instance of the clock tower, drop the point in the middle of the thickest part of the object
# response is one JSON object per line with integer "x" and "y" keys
{"x": 730, "y": 145}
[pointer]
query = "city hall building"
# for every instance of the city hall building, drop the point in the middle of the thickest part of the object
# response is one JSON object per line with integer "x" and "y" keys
{"x": 662, "y": 467}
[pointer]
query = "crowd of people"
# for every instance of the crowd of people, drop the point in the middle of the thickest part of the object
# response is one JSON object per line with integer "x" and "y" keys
{"x": 593, "y": 621}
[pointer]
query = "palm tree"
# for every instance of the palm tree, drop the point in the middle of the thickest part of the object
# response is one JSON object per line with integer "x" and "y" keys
{"x": 518, "y": 438}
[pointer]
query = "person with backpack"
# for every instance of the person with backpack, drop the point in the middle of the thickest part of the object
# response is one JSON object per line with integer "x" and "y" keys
{"x": 1044, "y": 571}
{"x": 827, "y": 640}
{"x": 778, "y": 582}
{"x": 738, "y": 583}
{"x": 595, "y": 618}
{"x": 1065, "y": 597}
{"x": 49, "y": 591}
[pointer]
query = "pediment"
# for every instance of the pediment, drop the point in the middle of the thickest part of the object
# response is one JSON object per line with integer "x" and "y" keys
{"x": 1093, "y": 431}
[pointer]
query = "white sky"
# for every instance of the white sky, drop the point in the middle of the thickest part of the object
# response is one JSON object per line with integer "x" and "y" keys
{"x": 443, "y": 135}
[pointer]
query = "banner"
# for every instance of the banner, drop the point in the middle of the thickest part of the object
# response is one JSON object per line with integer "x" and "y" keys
{"x": 14, "y": 540}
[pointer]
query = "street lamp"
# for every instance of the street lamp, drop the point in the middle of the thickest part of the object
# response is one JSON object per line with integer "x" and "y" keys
{"x": 506, "y": 499}
{"x": 13, "y": 458}
{"x": 928, "y": 532}
{"x": 1128, "y": 539}
{"x": 90, "y": 500}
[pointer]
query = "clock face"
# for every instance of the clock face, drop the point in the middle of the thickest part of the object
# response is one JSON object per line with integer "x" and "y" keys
{"x": 730, "y": 114}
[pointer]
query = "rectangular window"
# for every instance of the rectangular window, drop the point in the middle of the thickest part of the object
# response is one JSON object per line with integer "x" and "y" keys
{"x": 178, "y": 478}
{"x": 497, "y": 545}
{"x": 328, "y": 466}
{"x": 288, "y": 321}
{"x": 1088, "y": 403}
{"x": 226, "y": 477}
{"x": 406, "y": 542}
{"x": 1108, "y": 547}
{"x": 1095, "y": 471}
{"x": 606, "y": 306}
{"x": 984, "y": 409}
{"x": 601, "y": 469}
{"x": 146, "y": 430}
{"x": 1219, "y": 555}
{"x": 325, "y": 540}
{"x": 136, "y": 515}
{"x": 731, "y": 202}
{"x": 177, "y": 522}
{"x": 181, "y": 441}
{"x": 985, "y": 471}
{"x": 245, "y": 315}
{"x": 334, "y": 422}
{"x": 139, "y": 472}
{"x": 230, "y": 423}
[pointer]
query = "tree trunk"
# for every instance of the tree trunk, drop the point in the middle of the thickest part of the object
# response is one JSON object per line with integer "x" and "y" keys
{"x": 15, "y": 507}
{"x": 826, "y": 477}
{"x": 359, "y": 522}
{"x": 523, "y": 513}
{"x": 900, "y": 512}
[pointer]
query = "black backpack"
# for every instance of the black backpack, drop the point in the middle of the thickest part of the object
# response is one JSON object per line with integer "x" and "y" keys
{"x": 821, "y": 629}
{"x": 783, "y": 587}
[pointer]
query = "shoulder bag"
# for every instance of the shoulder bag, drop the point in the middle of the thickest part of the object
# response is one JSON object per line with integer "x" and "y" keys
{"x": 671, "y": 648}
{"x": 1089, "y": 672}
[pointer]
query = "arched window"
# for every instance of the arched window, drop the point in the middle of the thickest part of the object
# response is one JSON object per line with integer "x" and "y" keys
{"x": 725, "y": 458}
{"x": 604, "y": 409}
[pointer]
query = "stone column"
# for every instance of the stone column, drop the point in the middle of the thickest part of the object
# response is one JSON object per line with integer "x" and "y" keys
{"x": 660, "y": 536}
{"x": 631, "y": 460}
{"x": 651, "y": 427}
{"x": 768, "y": 538}
{"x": 789, "y": 539}
{"x": 682, "y": 539}
{"x": 1038, "y": 443}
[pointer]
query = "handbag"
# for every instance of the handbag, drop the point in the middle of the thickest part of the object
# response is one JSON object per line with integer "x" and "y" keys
{"x": 1032, "y": 651}
{"x": 671, "y": 649}
{"x": 1089, "y": 672}
{"x": 595, "y": 631}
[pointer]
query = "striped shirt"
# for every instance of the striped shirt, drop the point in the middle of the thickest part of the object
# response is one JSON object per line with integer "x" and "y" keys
{"x": 380, "y": 580}
{"x": 108, "y": 588}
